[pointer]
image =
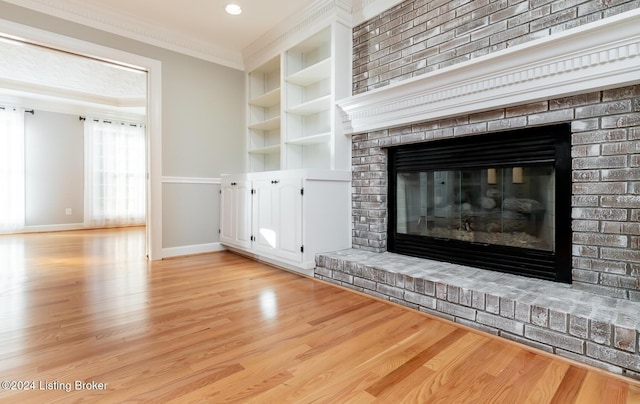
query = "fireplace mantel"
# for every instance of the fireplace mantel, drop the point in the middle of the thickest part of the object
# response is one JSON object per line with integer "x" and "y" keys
{"x": 600, "y": 55}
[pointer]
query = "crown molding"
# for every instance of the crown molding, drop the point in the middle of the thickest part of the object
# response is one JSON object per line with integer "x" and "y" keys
{"x": 301, "y": 25}
{"x": 365, "y": 10}
{"x": 109, "y": 21}
{"x": 284, "y": 35}
{"x": 604, "y": 54}
{"x": 297, "y": 27}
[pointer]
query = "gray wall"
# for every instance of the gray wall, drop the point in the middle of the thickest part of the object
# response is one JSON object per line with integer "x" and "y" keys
{"x": 202, "y": 118}
{"x": 54, "y": 160}
{"x": 178, "y": 202}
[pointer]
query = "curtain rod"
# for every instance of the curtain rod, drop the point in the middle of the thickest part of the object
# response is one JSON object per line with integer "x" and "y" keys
{"x": 84, "y": 118}
{"x": 28, "y": 111}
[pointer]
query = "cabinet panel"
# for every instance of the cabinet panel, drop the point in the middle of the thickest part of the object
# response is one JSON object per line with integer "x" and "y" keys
{"x": 235, "y": 211}
{"x": 290, "y": 218}
{"x": 227, "y": 219}
{"x": 277, "y": 219}
{"x": 243, "y": 214}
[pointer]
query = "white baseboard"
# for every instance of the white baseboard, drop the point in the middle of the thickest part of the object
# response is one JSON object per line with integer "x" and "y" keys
{"x": 53, "y": 227}
{"x": 191, "y": 250}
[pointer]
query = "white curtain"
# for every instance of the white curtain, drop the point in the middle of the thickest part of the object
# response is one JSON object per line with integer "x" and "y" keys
{"x": 114, "y": 174}
{"x": 12, "y": 170}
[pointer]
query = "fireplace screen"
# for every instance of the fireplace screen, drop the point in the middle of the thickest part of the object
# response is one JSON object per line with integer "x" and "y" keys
{"x": 498, "y": 201}
{"x": 510, "y": 206}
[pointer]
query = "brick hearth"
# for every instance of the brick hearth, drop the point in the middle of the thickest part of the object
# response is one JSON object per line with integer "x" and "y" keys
{"x": 597, "y": 330}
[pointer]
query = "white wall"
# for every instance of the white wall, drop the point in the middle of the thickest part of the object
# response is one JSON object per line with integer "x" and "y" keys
{"x": 202, "y": 118}
{"x": 54, "y": 162}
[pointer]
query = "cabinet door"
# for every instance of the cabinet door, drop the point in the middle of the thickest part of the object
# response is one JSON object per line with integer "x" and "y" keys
{"x": 227, "y": 220}
{"x": 289, "y": 218}
{"x": 277, "y": 217}
{"x": 235, "y": 214}
{"x": 264, "y": 227}
{"x": 242, "y": 210}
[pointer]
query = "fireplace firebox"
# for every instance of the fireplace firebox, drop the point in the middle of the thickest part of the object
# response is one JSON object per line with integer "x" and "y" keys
{"x": 499, "y": 201}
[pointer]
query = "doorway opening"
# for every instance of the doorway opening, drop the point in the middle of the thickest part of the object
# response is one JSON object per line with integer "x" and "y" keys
{"x": 90, "y": 103}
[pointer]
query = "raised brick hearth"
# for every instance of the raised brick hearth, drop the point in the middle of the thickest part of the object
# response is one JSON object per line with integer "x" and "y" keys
{"x": 597, "y": 330}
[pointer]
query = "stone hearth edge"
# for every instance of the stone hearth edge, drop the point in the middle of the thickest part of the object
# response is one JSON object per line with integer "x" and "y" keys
{"x": 597, "y": 330}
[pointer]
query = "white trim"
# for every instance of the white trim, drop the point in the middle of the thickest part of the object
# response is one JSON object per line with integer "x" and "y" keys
{"x": 190, "y": 180}
{"x": 192, "y": 249}
{"x": 295, "y": 28}
{"x": 367, "y": 9}
{"x": 49, "y": 228}
{"x": 107, "y": 20}
{"x": 596, "y": 56}
{"x": 154, "y": 109}
{"x": 301, "y": 268}
{"x": 278, "y": 38}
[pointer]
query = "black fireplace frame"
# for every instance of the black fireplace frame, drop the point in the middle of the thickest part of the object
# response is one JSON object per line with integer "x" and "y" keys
{"x": 523, "y": 147}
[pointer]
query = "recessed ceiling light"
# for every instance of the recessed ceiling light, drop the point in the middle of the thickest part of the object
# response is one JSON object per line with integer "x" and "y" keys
{"x": 233, "y": 9}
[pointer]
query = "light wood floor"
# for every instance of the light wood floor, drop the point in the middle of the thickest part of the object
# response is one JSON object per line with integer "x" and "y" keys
{"x": 86, "y": 306}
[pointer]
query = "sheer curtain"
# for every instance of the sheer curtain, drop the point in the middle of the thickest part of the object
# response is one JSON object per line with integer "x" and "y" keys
{"x": 12, "y": 171}
{"x": 114, "y": 174}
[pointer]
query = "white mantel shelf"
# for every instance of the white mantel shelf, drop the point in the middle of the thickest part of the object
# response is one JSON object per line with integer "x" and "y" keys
{"x": 600, "y": 55}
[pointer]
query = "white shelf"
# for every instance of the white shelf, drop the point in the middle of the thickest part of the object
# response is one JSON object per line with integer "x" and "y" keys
{"x": 268, "y": 124}
{"x": 296, "y": 90}
{"x": 266, "y": 150}
{"x": 313, "y": 139}
{"x": 268, "y": 99}
{"x": 312, "y": 107}
{"x": 312, "y": 74}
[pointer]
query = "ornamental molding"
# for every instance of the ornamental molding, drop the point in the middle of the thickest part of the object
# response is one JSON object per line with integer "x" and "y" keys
{"x": 297, "y": 27}
{"x": 604, "y": 54}
{"x": 107, "y": 20}
{"x": 284, "y": 35}
{"x": 310, "y": 20}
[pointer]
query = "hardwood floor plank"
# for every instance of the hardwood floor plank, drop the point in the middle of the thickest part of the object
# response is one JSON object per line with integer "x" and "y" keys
{"x": 570, "y": 386}
{"x": 87, "y": 306}
{"x": 414, "y": 363}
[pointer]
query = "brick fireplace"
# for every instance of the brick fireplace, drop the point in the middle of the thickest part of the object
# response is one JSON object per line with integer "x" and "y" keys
{"x": 427, "y": 71}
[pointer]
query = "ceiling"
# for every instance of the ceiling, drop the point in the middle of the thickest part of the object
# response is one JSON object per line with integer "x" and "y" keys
{"x": 199, "y": 28}
{"x": 72, "y": 84}
{"x": 40, "y": 78}
{"x": 206, "y": 20}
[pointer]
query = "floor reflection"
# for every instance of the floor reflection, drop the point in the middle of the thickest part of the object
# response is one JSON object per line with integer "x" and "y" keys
{"x": 12, "y": 296}
{"x": 82, "y": 273}
{"x": 268, "y": 304}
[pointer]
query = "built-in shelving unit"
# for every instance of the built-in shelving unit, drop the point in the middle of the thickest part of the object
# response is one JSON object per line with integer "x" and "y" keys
{"x": 294, "y": 201}
{"x": 264, "y": 116}
{"x": 308, "y": 98}
{"x": 293, "y": 122}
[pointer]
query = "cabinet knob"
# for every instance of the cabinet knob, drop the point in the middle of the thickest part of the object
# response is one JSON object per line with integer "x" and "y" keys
{"x": 275, "y": 181}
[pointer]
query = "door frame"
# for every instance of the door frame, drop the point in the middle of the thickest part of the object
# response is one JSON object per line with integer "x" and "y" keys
{"x": 153, "y": 68}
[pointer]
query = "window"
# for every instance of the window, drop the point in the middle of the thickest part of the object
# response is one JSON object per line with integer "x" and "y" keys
{"x": 12, "y": 172}
{"x": 114, "y": 174}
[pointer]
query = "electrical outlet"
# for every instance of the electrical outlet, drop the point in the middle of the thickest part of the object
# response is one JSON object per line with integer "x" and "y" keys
{"x": 67, "y": 211}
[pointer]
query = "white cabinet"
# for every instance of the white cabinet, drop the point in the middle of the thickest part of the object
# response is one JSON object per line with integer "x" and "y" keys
{"x": 295, "y": 214}
{"x": 277, "y": 217}
{"x": 235, "y": 202}
{"x": 293, "y": 121}
{"x": 299, "y": 159}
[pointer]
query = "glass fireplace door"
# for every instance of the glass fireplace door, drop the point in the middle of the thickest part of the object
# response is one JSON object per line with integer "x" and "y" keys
{"x": 511, "y": 206}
